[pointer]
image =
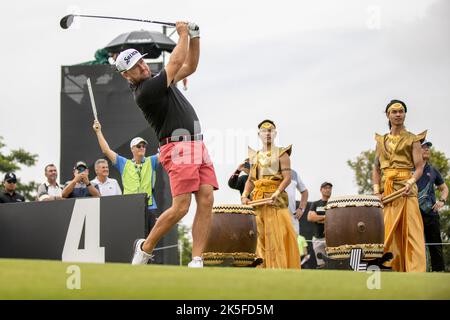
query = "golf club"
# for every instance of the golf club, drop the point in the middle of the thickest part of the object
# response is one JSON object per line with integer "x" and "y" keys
{"x": 67, "y": 21}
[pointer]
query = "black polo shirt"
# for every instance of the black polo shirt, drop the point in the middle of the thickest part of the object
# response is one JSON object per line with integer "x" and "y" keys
{"x": 6, "y": 197}
{"x": 165, "y": 108}
{"x": 319, "y": 208}
{"x": 427, "y": 198}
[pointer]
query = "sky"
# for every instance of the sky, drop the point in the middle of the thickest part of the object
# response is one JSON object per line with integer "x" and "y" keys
{"x": 323, "y": 70}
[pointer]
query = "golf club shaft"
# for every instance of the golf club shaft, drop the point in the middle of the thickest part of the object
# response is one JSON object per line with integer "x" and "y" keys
{"x": 91, "y": 95}
{"x": 171, "y": 24}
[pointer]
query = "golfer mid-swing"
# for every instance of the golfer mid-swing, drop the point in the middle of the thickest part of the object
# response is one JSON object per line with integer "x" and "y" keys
{"x": 182, "y": 152}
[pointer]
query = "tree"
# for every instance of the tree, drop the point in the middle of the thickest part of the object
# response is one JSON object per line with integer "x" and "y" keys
{"x": 363, "y": 164}
{"x": 12, "y": 161}
{"x": 184, "y": 238}
{"x": 363, "y": 170}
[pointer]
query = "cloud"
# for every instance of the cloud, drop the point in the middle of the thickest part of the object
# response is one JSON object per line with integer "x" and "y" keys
{"x": 424, "y": 41}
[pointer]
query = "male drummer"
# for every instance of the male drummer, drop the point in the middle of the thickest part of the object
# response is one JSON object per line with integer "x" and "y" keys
{"x": 182, "y": 152}
{"x": 398, "y": 165}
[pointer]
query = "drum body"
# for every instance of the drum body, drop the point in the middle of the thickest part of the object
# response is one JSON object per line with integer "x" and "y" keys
{"x": 232, "y": 236}
{"x": 354, "y": 222}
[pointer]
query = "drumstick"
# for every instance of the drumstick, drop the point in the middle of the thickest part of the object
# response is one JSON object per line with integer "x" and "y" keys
{"x": 91, "y": 95}
{"x": 389, "y": 200}
{"x": 393, "y": 196}
{"x": 260, "y": 202}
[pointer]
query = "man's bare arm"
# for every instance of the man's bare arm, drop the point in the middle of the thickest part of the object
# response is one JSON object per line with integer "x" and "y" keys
{"x": 179, "y": 54}
{"x": 191, "y": 62}
{"x": 418, "y": 164}
{"x": 376, "y": 177}
{"x": 247, "y": 189}
{"x": 285, "y": 164}
{"x": 112, "y": 156}
{"x": 314, "y": 217}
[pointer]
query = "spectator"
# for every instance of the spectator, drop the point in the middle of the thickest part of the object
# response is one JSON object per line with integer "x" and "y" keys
{"x": 107, "y": 186}
{"x": 303, "y": 249}
{"x": 317, "y": 214}
{"x": 237, "y": 181}
{"x": 49, "y": 190}
{"x": 10, "y": 194}
{"x": 80, "y": 186}
{"x": 296, "y": 213}
{"x": 138, "y": 174}
{"x": 429, "y": 207}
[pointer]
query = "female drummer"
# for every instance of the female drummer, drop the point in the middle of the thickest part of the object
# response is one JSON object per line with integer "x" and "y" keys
{"x": 270, "y": 174}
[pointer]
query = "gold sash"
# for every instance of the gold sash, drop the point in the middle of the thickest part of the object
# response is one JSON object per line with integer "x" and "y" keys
{"x": 264, "y": 188}
{"x": 394, "y": 176}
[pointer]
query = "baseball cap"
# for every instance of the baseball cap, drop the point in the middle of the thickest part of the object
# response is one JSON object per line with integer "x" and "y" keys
{"x": 136, "y": 141}
{"x": 426, "y": 143}
{"x": 10, "y": 177}
{"x": 323, "y": 185}
{"x": 80, "y": 164}
{"x": 127, "y": 59}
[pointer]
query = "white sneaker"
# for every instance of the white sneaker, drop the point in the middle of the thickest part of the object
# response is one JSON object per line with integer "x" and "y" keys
{"x": 197, "y": 262}
{"x": 140, "y": 256}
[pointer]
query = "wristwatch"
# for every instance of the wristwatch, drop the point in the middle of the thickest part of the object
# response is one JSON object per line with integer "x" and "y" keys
{"x": 443, "y": 200}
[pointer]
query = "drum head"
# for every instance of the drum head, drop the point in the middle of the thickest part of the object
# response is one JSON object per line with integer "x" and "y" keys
{"x": 354, "y": 201}
{"x": 233, "y": 208}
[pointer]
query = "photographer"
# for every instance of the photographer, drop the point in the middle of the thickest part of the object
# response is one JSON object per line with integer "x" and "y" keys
{"x": 237, "y": 181}
{"x": 80, "y": 187}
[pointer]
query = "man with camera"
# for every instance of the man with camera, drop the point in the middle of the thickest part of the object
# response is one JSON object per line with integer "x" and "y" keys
{"x": 80, "y": 186}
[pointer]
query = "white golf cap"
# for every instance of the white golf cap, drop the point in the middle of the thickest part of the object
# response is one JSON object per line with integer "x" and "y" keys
{"x": 127, "y": 59}
{"x": 136, "y": 141}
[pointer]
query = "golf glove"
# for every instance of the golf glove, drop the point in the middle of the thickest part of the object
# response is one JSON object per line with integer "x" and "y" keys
{"x": 192, "y": 32}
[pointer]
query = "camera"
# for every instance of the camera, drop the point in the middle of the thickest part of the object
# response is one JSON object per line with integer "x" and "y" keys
{"x": 247, "y": 165}
{"x": 81, "y": 169}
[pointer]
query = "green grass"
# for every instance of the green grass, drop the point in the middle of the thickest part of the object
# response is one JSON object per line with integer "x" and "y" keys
{"x": 37, "y": 279}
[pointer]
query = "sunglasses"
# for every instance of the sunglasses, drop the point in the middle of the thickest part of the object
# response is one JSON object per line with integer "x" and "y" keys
{"x": 11, "y": 181}
{"x": 141, "y": 146}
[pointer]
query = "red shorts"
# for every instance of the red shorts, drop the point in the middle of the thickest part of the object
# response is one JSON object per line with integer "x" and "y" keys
{"x": 188, "y": 165}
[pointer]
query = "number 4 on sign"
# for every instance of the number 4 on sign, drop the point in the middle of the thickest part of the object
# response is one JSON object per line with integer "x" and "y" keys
{"x": 355, "y": 260}
{"x": 86, "y": 212}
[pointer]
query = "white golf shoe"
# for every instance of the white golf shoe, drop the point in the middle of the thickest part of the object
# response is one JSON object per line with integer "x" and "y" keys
{"x": 140, "y": 256}
{"x": 197, "y": 262}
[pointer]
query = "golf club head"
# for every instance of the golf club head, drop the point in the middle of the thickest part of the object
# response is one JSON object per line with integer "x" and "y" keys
{"x": 66, "y": 21}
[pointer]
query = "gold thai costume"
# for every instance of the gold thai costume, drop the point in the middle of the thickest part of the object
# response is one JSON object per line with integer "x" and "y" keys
{"x": 404, "y": 233}
{"x": 277, "y": 242}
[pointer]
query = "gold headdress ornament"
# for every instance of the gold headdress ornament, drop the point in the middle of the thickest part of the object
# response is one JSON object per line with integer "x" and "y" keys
{"x": 267, "y": 125}
{"x": 396, "y": 106}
